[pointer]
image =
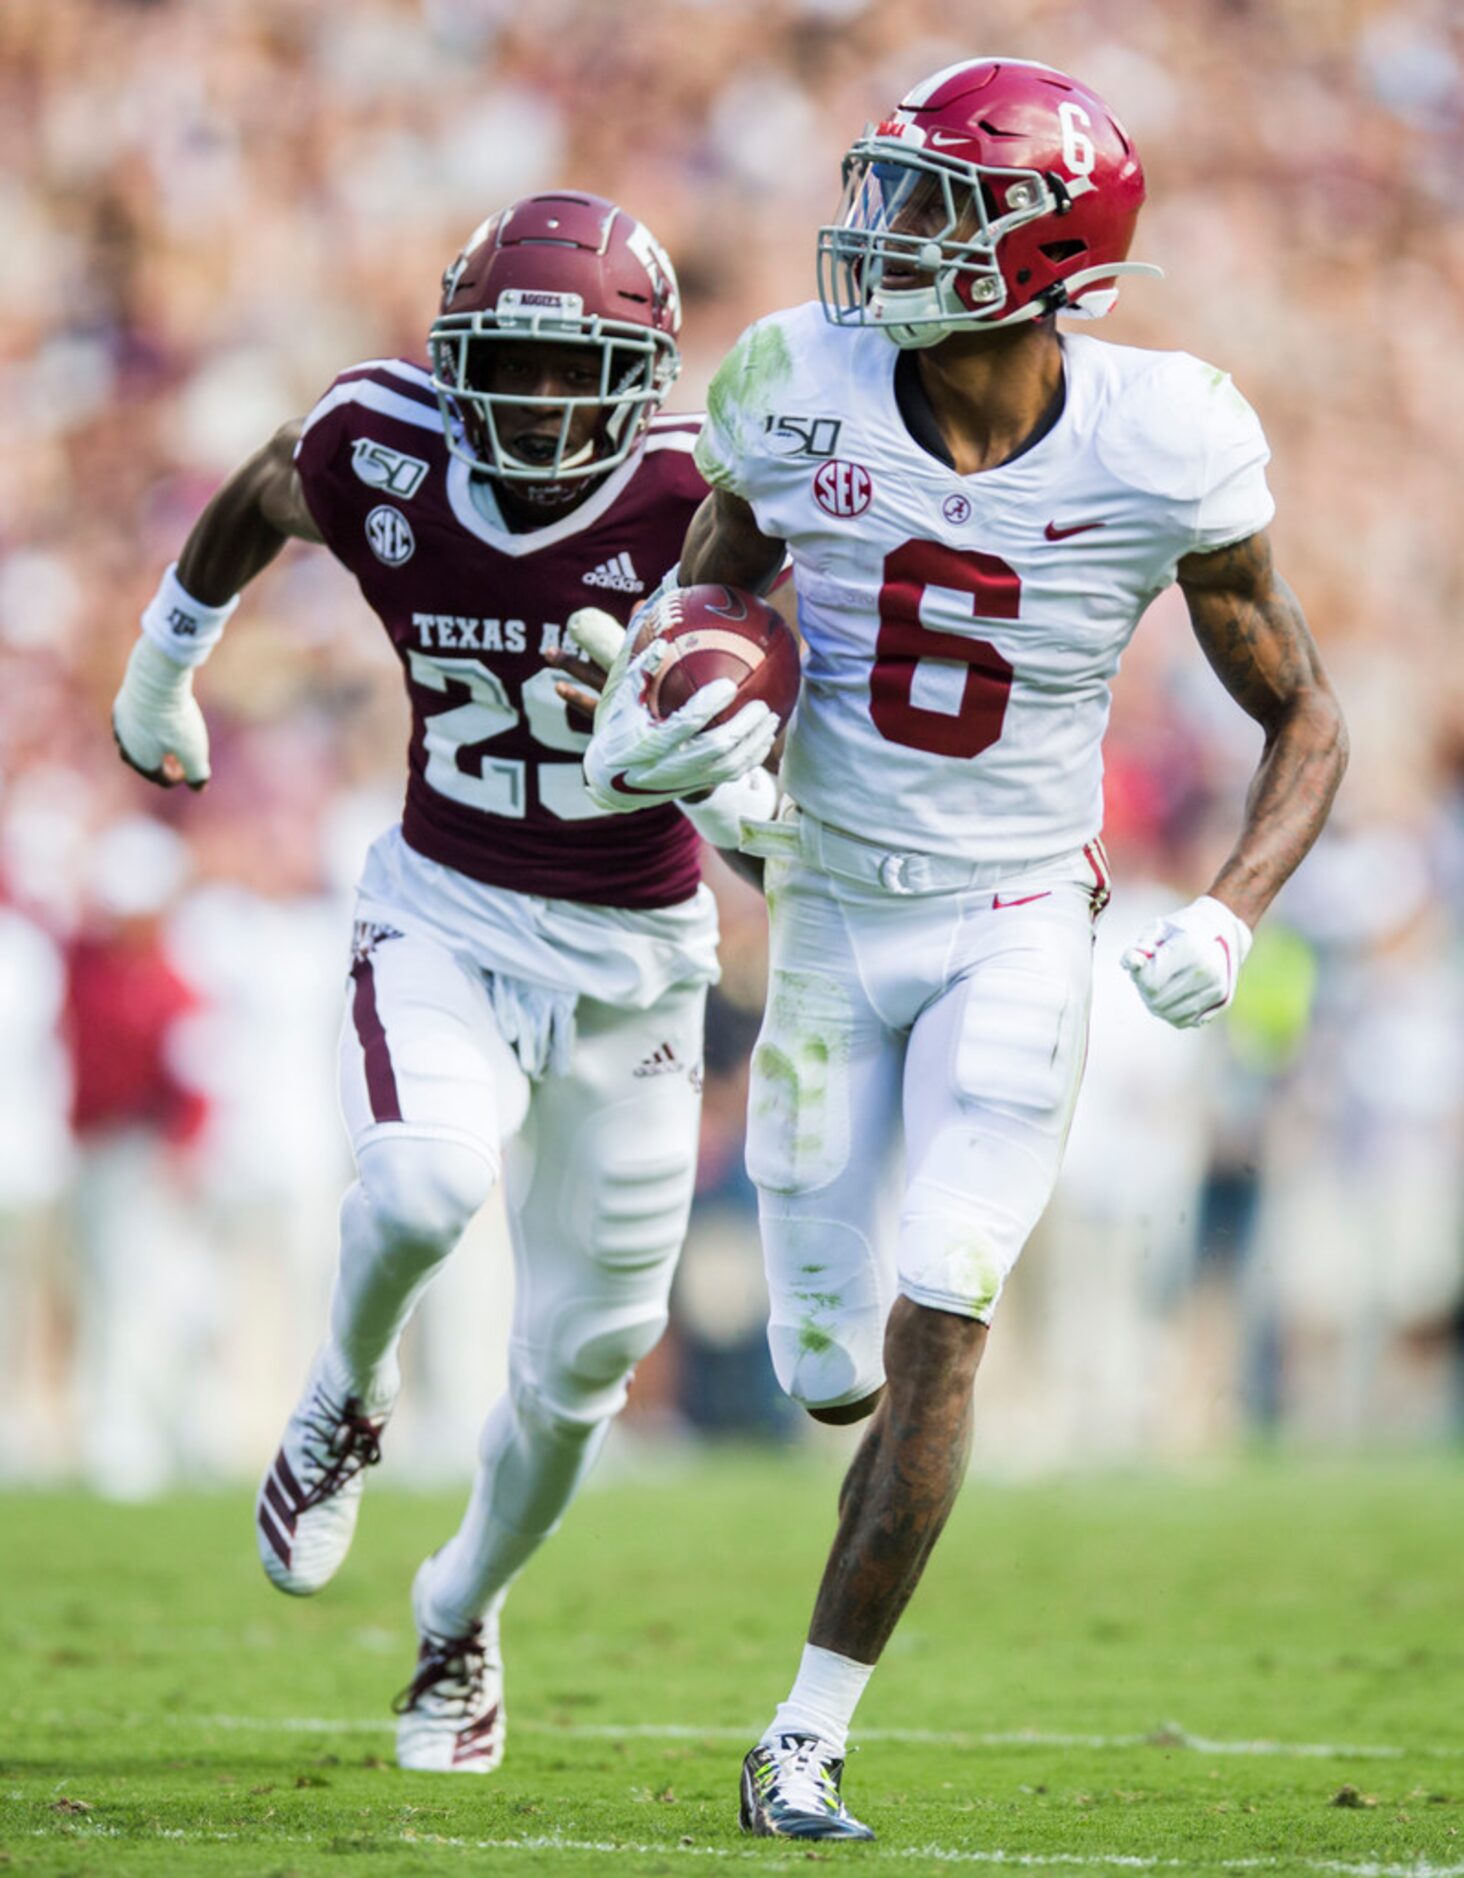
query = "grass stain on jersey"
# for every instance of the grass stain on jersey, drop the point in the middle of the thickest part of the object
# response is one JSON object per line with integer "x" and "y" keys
{"x": 745, "y": 379}
{"x": 813, "y": 1341}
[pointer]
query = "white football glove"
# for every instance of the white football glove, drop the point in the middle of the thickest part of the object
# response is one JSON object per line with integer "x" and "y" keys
{"x": 1186, "y": 966}
{"x": 634, "y": 762}
{"x": 598, "y": 634}
{"x": 717, "y": 818}
{"x": 156, "y": 714}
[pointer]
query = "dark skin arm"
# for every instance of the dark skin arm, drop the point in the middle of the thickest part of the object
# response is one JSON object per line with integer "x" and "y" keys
{"x": 1252, "y": 630}
{"x": 724, "y": 543}
{"x": 248, "y": 521}
{"x": 251, "y": 517}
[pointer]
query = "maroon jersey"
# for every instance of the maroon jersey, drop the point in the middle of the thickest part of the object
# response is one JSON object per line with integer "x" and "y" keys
{"x": 495, "y": 789}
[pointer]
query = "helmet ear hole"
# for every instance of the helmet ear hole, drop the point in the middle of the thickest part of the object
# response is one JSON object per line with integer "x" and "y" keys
{"x": 1060, "y": 251}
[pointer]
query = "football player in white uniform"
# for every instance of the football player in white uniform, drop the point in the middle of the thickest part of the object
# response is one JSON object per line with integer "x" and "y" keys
{"x": 528, "y": 975}
{"x": 979, "y": 510}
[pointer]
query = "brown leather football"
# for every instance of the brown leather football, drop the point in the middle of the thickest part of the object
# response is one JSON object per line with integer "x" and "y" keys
{"x": 721, "y": 632}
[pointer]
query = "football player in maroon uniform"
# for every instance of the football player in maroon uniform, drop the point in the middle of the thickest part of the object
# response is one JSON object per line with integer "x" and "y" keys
{"x": 528, "y": 974}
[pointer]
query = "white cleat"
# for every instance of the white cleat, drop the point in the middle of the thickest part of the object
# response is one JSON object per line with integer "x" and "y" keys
{"x": 305, "y": 1516}
{"x": 790, "y": 1790}
{"x": 450, "y": 1717}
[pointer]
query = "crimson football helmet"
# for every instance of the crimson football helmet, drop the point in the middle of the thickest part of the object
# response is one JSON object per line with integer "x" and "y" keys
{"x": 565, "y": 269}
{"x": 998, "y": 191}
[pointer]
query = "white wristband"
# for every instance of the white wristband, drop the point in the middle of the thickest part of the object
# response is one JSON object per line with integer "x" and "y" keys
{"x": 181, "y": 627}
{"x": 718, "y": 820}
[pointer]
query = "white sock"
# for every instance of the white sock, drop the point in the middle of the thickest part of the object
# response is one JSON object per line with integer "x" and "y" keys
{"x": 529, "y": 1468}
{"x": 823, "y": 1699}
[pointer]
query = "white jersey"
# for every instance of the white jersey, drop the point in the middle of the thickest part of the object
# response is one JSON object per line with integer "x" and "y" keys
{"x": 962, "y": 631}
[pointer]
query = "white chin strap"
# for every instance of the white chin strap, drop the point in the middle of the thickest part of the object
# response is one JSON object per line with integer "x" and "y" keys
{"x": 917, "y": 317}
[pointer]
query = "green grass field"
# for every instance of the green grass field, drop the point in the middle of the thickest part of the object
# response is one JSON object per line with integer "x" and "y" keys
{"x": 1127, "y": 1674}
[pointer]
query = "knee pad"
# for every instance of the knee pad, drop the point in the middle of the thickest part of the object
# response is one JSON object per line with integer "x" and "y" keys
{"x": 585, "y": 1375}
{"x": 956, "y": 1252}
{"x": 826, "y": 1329}
{"x": 826, "y": 1365}
{"x": 423, "y": 1191}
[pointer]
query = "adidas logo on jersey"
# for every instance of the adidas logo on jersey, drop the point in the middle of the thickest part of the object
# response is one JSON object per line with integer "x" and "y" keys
{"x": 618, "y": 573}
{"x": 660, "y": 1062}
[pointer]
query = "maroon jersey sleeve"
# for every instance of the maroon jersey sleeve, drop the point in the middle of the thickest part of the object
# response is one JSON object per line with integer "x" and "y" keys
{"x": 494, "y": 785}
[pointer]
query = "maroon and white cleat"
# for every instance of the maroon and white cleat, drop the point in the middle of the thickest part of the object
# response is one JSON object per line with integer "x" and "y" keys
{"x": 305, "y": 1516}
{"x": 450, "y": 1717}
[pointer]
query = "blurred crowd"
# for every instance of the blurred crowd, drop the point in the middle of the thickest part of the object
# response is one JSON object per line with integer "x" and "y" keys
{"x": 208, "y": 209}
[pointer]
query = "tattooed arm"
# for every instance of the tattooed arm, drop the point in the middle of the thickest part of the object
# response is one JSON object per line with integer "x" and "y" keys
{"x": 1253, "y": 633}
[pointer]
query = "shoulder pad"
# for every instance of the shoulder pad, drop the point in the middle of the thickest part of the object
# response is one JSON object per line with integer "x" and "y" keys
{"x": 1164, "y": 422}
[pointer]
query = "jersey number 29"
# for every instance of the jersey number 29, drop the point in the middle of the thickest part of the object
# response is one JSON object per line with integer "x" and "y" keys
{"x": 459, "y": 763}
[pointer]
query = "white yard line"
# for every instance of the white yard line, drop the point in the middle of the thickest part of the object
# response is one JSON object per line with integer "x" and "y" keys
{"x": 793, "y": 1849}
{"x": 1169, "y": 1736}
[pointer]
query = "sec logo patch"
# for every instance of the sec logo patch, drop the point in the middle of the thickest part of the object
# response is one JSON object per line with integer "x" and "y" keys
{"x": 390, "y": 535}
{"x": 841, "y": 488}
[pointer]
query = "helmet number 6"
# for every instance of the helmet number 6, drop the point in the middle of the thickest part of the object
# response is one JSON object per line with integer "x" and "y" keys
{"x": 1077, "y": 145}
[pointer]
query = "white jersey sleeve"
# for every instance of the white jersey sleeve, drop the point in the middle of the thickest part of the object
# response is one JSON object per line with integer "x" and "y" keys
{"x": 741, "y": 410}
{"x": 1181, "y": 434}
{"x": 1235, "y": 500}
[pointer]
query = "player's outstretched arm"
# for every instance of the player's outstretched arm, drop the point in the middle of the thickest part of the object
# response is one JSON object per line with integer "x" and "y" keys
{"x": 1254, "y": 634}
{"x": 724, "y": 543}
{"x": 156, "y": 721}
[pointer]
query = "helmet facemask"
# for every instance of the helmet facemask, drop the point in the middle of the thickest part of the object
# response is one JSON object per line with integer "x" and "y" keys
{"x": 908, "y": 210}
{"x": 636, "y": 369}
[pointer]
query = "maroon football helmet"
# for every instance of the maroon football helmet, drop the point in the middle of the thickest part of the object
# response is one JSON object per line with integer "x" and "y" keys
{"x": 998, "y": 191}
{"x": 561, "y": 269}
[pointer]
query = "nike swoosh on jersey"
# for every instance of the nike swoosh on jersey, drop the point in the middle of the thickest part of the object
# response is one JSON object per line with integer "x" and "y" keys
{"x": 1026, "y": 900}
{"x": 1054, "y": 533}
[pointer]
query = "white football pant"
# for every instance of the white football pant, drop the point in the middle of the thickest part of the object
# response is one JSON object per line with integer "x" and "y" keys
{"x": 958, "y": 1016}
{"x": 598, "y": 1163}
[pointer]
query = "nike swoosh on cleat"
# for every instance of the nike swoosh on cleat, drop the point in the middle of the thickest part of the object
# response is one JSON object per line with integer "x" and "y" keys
{"x": 1054, "y": 533}
{"x": 1026, "y": 900}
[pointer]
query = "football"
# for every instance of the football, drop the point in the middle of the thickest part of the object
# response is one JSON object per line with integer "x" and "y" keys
{"x": 721, "y": 632}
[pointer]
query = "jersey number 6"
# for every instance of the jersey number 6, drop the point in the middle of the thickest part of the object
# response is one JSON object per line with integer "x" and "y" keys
{"x": 921, "y": 579}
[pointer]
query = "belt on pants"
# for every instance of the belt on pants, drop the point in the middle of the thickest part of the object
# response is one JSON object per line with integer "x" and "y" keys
{"x": 798, "y": 836}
